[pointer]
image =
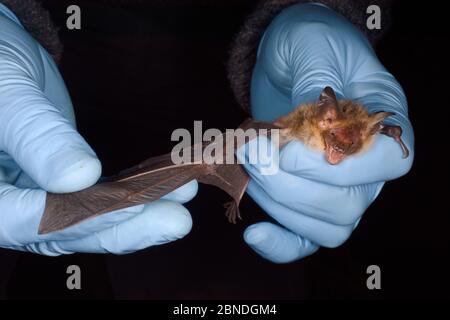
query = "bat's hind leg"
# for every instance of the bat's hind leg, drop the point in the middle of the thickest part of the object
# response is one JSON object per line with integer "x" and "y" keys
{"x": 232, "y": 212}
{"x": 396, "y": 133}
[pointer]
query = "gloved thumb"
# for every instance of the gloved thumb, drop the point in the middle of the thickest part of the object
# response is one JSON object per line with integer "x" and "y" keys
{"x": 48, "y": 148}
{"x": 278, "y": 244}
{"x": 261, "y": 153}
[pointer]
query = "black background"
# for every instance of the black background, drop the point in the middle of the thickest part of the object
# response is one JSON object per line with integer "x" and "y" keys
{"x": 138, "y": 70}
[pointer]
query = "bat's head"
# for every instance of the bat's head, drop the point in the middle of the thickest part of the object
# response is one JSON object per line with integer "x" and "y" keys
{"x": 345, "y": 126}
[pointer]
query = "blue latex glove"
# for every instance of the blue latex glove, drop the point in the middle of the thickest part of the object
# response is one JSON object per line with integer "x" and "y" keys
{"x": 40, "y": 149}
{"x": 306, "y": 48}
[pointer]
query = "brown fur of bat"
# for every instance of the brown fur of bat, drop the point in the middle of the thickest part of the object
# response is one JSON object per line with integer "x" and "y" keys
{"x": 338, "y": 128}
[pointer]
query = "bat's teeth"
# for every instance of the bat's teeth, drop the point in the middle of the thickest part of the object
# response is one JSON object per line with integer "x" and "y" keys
{"x": 338, "y": 149}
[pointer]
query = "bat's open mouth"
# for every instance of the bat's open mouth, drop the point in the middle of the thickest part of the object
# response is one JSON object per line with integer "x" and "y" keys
{"x": 333, "y": 155}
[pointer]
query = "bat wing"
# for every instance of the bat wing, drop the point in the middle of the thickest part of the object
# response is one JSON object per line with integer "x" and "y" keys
{"x": 147, "y": 182}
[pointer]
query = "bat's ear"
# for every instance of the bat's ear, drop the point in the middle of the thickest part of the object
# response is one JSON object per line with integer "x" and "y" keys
{"x": 376, "y": 119}
{"x": 327, "y": 97}
{"x": 328, "y": 110}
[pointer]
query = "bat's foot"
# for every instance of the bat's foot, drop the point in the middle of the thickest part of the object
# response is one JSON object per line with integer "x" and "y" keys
{"x": 396, "y": 133}
{"x": 232, "y": 212}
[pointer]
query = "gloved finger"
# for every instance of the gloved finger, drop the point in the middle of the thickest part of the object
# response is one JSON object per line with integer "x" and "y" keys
{"x": 315, "y": 199}
{"x": 181, "y": 195}
{"x": 13, "y": 174}
{"x": 333, "y": 204}
{"x": 46, "y": 145}
{"x": 20, "y": 212}
{"x": 262, "y": 153}
{"x": 160, "y": 222}
{"x": 184, "y": 193}
{"x": 277, "y": 244}
{"x": 320, "y": 232}
{"x": 380, "y": 162}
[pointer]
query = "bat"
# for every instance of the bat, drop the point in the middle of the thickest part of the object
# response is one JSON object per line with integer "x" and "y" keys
{"x": 338, "y": 128}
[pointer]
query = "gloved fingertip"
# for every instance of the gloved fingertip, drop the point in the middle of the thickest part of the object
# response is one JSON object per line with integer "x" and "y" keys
{"x": 73, "y": 170}
{"x": 161, "y": 222}
{"x": 179, "y": 224}
{"x": 184, "y": 193}
{"x": 167, "y": 220}
{"x": 277, "y": 244}
{"x": 257, "y": 237}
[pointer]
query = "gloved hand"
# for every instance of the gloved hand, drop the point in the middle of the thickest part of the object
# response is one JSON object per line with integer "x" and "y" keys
{"x": 40, "y": 150}
{"x": 306, "y": 48}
